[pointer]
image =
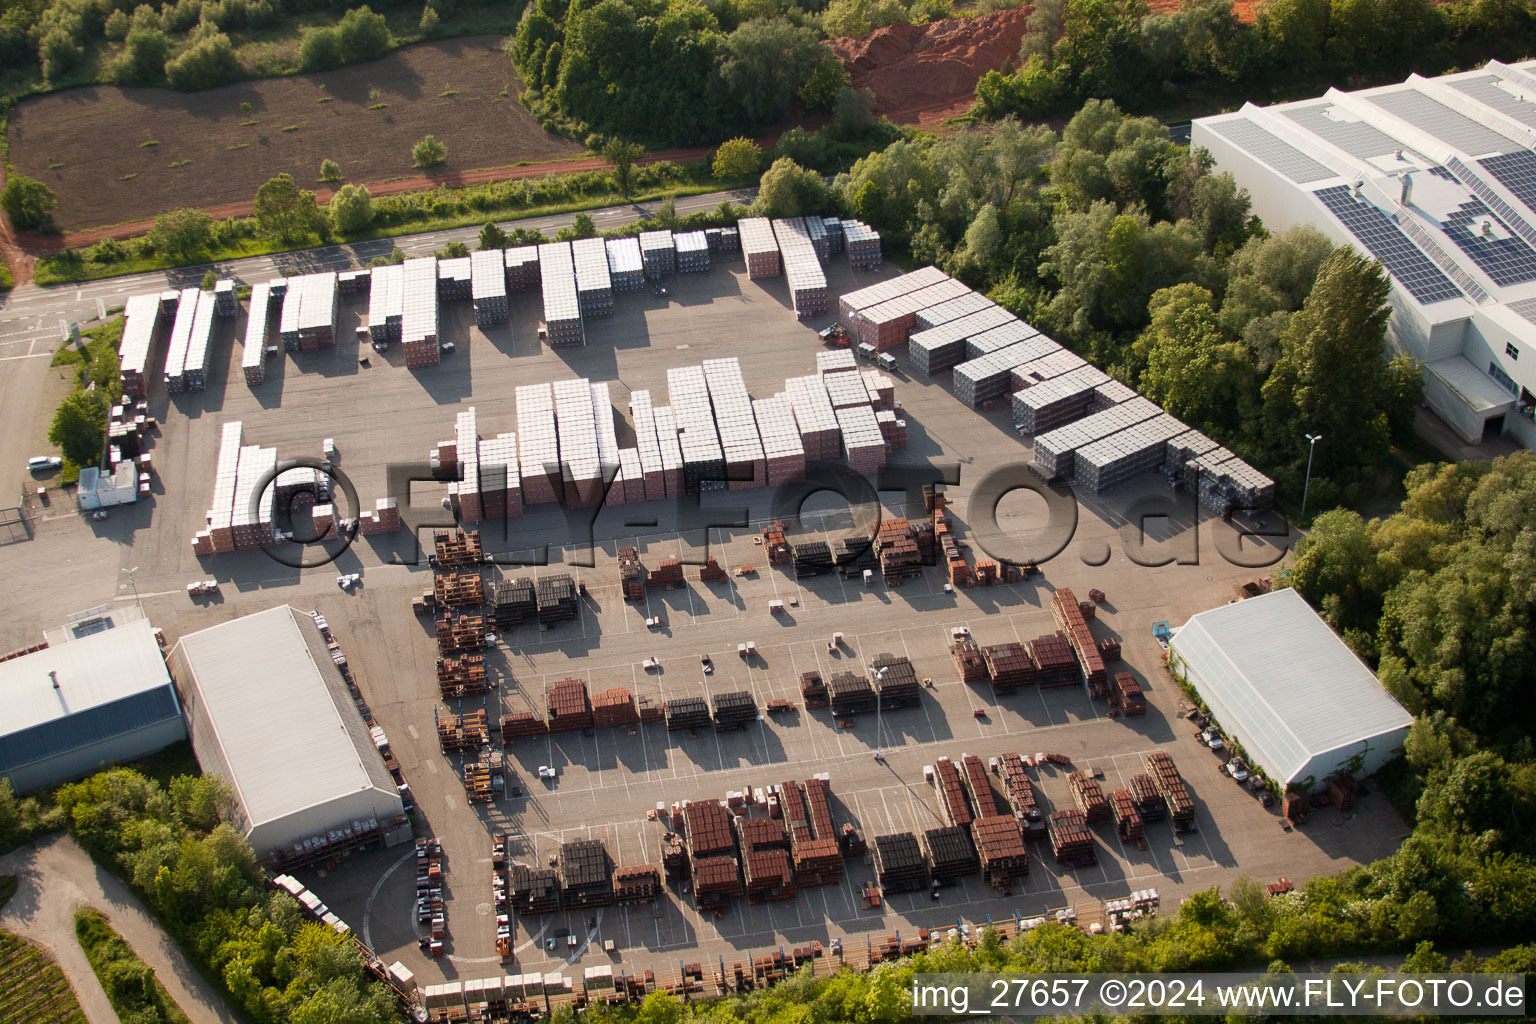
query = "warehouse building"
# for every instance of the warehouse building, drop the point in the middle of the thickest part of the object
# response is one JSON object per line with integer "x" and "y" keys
{"x": 1436, "y": 178}
{"x": 269, "y": 712}
{"x": 1281, "y": 683}
{"x": 96, "y": 695}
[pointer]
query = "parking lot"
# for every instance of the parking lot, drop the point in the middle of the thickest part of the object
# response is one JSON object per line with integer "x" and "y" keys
{"x": 384, "y": 415}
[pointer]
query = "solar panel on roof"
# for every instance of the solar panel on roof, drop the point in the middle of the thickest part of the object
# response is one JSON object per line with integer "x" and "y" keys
{"x": 1507, "y": 260}
{"x": 1525, "y": 308}
{"x": 1516, "y": 171}
{"x": 1408, "y": 265}
{"x": 1356, "y": 138}
{"x": 1485, "y": 90}
{"x": 1435, "y": 117}
{"x": 1276, "y": 152}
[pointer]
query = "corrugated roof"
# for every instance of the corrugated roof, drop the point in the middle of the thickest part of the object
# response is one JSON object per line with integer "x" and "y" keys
{"x": 288, "y": 728}
{"x": 93, "y": 671}
{"x": 1297, "y": 688}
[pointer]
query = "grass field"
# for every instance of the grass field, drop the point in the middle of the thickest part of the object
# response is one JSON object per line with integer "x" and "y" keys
{"x": 32, "y": 988}
{"x": 114, "y": 961}
{"x": 88, "y": 144}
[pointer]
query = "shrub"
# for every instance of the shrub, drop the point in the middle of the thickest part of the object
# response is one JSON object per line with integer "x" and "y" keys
{"x": 737, "y": 158}
{"x": 181, "y": 234}
{"x": 330, "y": 170}
{"x": 143, "y": 59}
{"x": 27, "y": 202}
{"x": 210, "y": 62}
{"x": 429, "y": 152}
{"x": 116, "y": 26}
{"x": 351, "y": 208}
{"x": 364, "y": 35}
{"x": 429, "y": 21}
{"x": 59, "y": 52}
{"x": 320, "y": 49}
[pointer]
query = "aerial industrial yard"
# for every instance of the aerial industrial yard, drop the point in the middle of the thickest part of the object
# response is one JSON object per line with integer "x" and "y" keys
{"x": 753, "y": 627}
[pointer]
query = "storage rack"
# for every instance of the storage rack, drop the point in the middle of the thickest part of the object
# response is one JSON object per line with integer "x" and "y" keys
{"x": 1071, "y": 842}
{"x": 734, "y": 710}
{"x": 555, "y": 597}
{"x": 850, "y": 693}
{"x": 569, "y": 708}
{"x": 456, "y": 550}
{"x": 457, "y": 633}
{"x": 1009, "y": 666}
{"x": 802, "y": 267}
{"x": 1089, "y": 796}
{"x": 141, "y": 317}
{"x": 988, "y": 376}
{"x": 1111, "y": 392}
{"x": 686, "y": 713}
{"x": 1044, "y": 405}
{"x": 703, "y": 457}
{"x": 538, "y": 446}
{"x": 522, "y": 263}
{"x": 888, "y": 323}
{"x": 455, "y": 279}
{"x": 674, "y": 858}
{"x": 983, "y": 800}
{"x": 820, "y": 434}
{"x": 1149, "y": 802}
{"x": 863, "y": 441}
{"x": 897, "y": 687}
{"x": 562, "y": 305}
{"x": 1069, "y": 617}
{"x": 1170, "y": 785}
{"x": 950, "y": 853}
{"x": 458, "y": 588}
{"x": 692, "y": 249}
{"x": 594, "y": 284}
{"x": 1055, "y": 663}
{"x": 936, "y": 348}
{"x": 1000, "y": 845}
{"x": 254, "y": 356}
{"x": 466, "y": 732}
{"x": 586, "y": 874}
{"x": 418, "y": 319}
{"x": 1115, "y": 459}
{"x": 1054, "y": 451}
{"x": 742, "y": 448}
{"x": 631, "y": 574}
{"x": 951, "y": 793}
{"x": 462, "y": 676}
{"x": 581, "y": 470}
{"x": 1128, "y": 823}
{"x": 783, "y": 449}
{"x": 658, "y": 254}
{"x": 899, "y": 864}
{"x": 488, "y": 286}
{"x": 626, "y": 270}
{"x": 386, "y": 305}
{"x": 760, "y": 247}
{"x": 863, "y": 245}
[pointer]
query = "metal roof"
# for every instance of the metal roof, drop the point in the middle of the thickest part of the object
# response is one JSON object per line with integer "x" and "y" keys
{"x": 92, "y": 671}
{"x": 286, "y": 726}
{"x": 1296, "y": 688}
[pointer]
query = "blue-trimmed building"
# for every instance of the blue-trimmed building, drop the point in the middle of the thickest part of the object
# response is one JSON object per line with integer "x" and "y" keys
{"x": 72, "y": 707}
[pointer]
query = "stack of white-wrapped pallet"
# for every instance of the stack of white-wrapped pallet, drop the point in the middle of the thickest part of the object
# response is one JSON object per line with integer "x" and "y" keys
{"x": 1110, "y": 392}
{"x": 759, "y": 246}
{"x": 802, "y": 267}
{"x": 607, "y": 440}
{"x": 846, "y": 389}
{"x": 386, "y": 305}
{"x": 1056, "y": 362}
{"x": 418, "y": 321}
{"x": 815, "y": 418}
{"x": 739, "y": 440}
{"x": 522, "y": 267}
{"x": 291, "y": 291}
{"x": 851, "y": 304}
{"x": 253, "y": 358}
{"x": 194, "y": 370}
{"x": 625, "y": 267}
{"x": 594, "y": 286}
{"x": 816, "y": 231}
{"x": 863, "y": 443}
{"x": 692, "y": 252}
{"x": 703, "y": 457}
{"x": 181, "y": 337}
{"x": 633, "y": 474}
{"x": 455, "y": 278}
{"x": 658, "y": 251}
{"x": 987, "y": 377}
{"x": 580, "y": 470}
{"x": 500, "y": 480}
{"x": 538, "y": 447}
{"x": 892, "y": 427}
{"x": 671, "y": 451}
{"x": 466, "y": 437}
{"x": 225, "y": 302}
{"x": 1010, "y": 333}
{"x": 882, "y": 390}
{"x": 140, "y": 319}
{"x": 562, "y": 306}
{"x": 488, "y": 286}
{"x": 863, "y": 244}
{"x": 640, "y": 411}
{"x": 783, "y": 451}
{"x": 944, "y": 345}
{"x": 220, "y": 534}
{"x": 888, "y": 324}
{"x": 838, "y": 360}
{"x": 1048, "y": 403}
{"x": 251, "y": 512}
{"x": 1054, "y": 451}
{"x": 961, "y": 306}
{"x": 317, "y": 311}
{"x": 1117, "y": 458}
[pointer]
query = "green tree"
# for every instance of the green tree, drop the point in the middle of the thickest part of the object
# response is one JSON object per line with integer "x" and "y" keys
{"x": 284, "y": 211}
{"x": 452, "y": 251}
{"x": 1104, "y": 155}
{"x": 861, "y": 17}
{"x": 28, "y": 202}
{"x": 852, "y": 113}
{"x": 824, "y": 84}
{"x": 181, "y": 234}
{"x": 429, "y": 152}
{"x": 1296, "y": 32}
{"x": 364, "y": 35}
{"x": 330, "y": 170}
{"x": 582, "y": 226}
{"x": 79, "y": 426}
{"x": 116, "y": 26}
{"x": 209, "y": 62}
{"x": 351, "y": 208}
{"x": 429, "y": 20}
{"x": 143, "y": 58}
{"x": 492, "y": 237}
{"x": 766, "y": 62}
{"x": 737, "y": 158}
{"x": 1195, "y": 373}
{"x": 1220, "y": 210}
{"x": 622, "y": 155}
{"x": 1274, "y": 273}
{"x": 60, "y": 53}
{"x": 789, "y": 190}
{"x": 320, "y": 49}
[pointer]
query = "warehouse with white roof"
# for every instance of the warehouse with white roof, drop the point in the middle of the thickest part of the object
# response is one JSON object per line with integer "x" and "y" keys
{"x": 1436, "y": 178}
{"x": 1280, "y": 682}
{"x": 91, "y": 700}
{"x": 269, "y": 712}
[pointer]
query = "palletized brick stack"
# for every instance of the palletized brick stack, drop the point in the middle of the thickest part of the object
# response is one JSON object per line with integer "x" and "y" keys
{"x": 988, "y": 376}
{"x": 711, "y": 850}
{"x": 863, "y": 245}
{"x": 1071, "y": 842}
{"x": 658, "y": 253}
{"x": 522, "y": 264}
{"x": 951, "y": 853}
{"x": 594, "y": 285}
{"x": 141, "y": 317}
{"x": 522, "y": 725}
{"x": 816, "y": 233}
{"x": 317, "y": 314}
{"x": 467, "y": 458}
{"x": 765, "y": 860}
{"x": 1041, "y": 406}
{"x": 846, "y": 390}
{"x": 253, "y": 358}
{"x": 899, "y": 864}
{"x": 686, "y": 713}
{"x": 671, "y": 450}
{"x": 1113, "y": 460}
{"x": 569, "y": 708}
{"x": 851, "y": 693}
{"x": 692, "y": 249}
{"x": 580, "y": 466}
{"x": 626, "y": 268}
{"x": 1128, "y": 823}
{"x": 1009, "y": 666}
{"x": 951, "y": 792}
{"x": 1170, "y": 785}
{"x": 888, "y": 323}
{"x": 556, "y": 600}
{"x": 1149, "y": 801}
{"x": 538, "y": 446}
{"x": 488, "y": 286}
{"x": 455, "y": 279}
{"x": 418, "y": 321}
{"x": 354, "y": 282}
{"x": 703, "y": 456}
{"x": 820, "y": 434}
{"x": 863, "y": 442}
{"x": 638, "y": 883}
{"x": 818, "y": 859}
{"x": 535, "y": 890}
{"x": 1069, "y": 619}
{"x": 501, "y": 486}
{"x": 609, "y": 458}
{"x": 383, "y": 518}
{"x": 1018, "y": 790}
{"x": 740, "y": 444}
{"x": 943, "y": 345}
{"x": 562, "y": 304}
{"x": 181, "y": 337}
{"x": 734, "y": 710}
{"x": 386, "y": 305}
{"x": 1089, "y": 796}
{"x": 802, "y": 267}
{"x": 834, "y": 228}
{"x": 896, "y": 547}
{"x": 586, "y": 874}
{"x": 653, "y": 478}
{"x": 760, "y": 247}
{"x": 1000, "y": 847}
{"x": 783, "y": 449}
{"x": 1010, "y": 332}
{"x": 613, "y": 708}
{"x": 983, "y": 801}
{"x": 631, "y": 574}
{"x": 512, "y": 601}
{"x": 1054, "y": 451}
{"x": 968, "y": 660}
{"x": 219, "y": 536}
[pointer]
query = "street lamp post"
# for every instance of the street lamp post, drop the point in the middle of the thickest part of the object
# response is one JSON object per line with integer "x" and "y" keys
{"x": 134, "y": 584}
{"x": 879, "y": 674}
{"x": 1312, "y": 440}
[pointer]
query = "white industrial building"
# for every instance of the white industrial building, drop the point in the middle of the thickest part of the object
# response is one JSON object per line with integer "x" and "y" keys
{"x": 269, "y": 712}
{"x": 1281, "y": 683}
{"x": 99, "y": 696}
{"x": 1436, "y": 178}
